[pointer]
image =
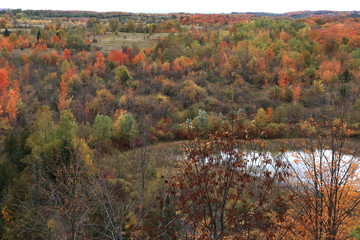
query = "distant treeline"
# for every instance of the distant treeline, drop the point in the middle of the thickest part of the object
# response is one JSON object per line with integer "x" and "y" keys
{"x": 41, "y": 14}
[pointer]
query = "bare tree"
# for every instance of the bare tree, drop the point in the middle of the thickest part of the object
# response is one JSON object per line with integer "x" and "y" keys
{"x": 68, "y": 191}
{"x": 23, "y": 219}
{"x": 140, "y": 154}
{"x": 325, "y": 179}
{"x": 109, "y": 211}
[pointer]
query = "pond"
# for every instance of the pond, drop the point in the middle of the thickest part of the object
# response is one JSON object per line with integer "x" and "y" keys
{"x": 301, "y": 162}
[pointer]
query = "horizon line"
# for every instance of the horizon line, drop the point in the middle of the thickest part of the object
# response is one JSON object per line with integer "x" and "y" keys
{"x": 180, "y": 12}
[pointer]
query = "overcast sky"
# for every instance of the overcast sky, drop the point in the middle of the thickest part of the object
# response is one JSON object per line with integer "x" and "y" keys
{"x": 191, "y": 6}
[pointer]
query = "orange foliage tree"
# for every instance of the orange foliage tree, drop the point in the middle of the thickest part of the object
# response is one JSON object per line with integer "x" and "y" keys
{"x": 138, "y": 58}
{"x": 329, "y": 69}
{"x": 9, "y": 98}
{"x": 63, "y": 100}
{"x": 99, "y": 65}
{"x": 325, "y": 182}
{"x": 182, "y": 63}
{"x": 4, "y": 81}
{"x": 13, "y": 100}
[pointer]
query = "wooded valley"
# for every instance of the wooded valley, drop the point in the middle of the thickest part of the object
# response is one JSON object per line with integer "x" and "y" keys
{"x": 178, "y": 126}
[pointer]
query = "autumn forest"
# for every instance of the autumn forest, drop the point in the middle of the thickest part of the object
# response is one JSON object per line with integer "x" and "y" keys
{"x": 179, "y": 126}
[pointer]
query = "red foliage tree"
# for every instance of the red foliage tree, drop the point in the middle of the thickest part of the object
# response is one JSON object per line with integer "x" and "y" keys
{"x": 223, "y": 192}
{"x": 66, "y": 54}
{"x": 118, "y": 57}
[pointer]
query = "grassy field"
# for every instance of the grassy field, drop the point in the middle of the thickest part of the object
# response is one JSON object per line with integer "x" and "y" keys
{"x": 111, "y": 41}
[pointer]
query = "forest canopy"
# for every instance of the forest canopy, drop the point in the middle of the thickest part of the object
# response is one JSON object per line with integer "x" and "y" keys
{"x": 138, "y": 126}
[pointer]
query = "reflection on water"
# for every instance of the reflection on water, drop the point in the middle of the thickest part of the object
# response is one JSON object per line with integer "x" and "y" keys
{"x": 324, "y": 165}
{"x": 299, "y": 161}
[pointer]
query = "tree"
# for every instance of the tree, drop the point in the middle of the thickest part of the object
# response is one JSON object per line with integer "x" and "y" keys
{"x": 42, "y": 139}
{"x": 224, "y": 190}
{"x": 280, "y": 115}
{"x": 67, "y": 127}
{"x": 140, "y": 159}
{"x": 66, "y": 54}
{"x": 122, "y": 75}
{"x": 201, "y": 121}
{"x": 117, "y": 57}
{"x": 125, "y": 128}
{"x": 91, "y": 22}
{"x": 6, "y": 33}
{"x": 103, "y": 103}
{"x": 261, "y": 119}
{"x": 130, "y": 26}
{"x": 101, "y": 132}
{"x": 68, "y": 189}
{"x": 3, "y": 22}
{"x": 38, "y": 35}
{"x": 102, "y": 127}
{"x": 63, "y": 101}
{"x": 324, "y": 182}
{"x": 114, "y": 24}
{"x": 61, "y": 173}
{"x": 99, "y": 65}
{"x": 296, "y": 94}
{"x": 110, "y": 210}
{"x": 13, "y": 101}
{"x": 318, "y": 87}
{"x": 4, "y": 80}
{"x": 191, "y": 93}
{"x": 21, "y": 216}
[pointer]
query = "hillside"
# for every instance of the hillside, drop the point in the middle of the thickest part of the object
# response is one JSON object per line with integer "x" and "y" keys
{"x": 111, "y": 125}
